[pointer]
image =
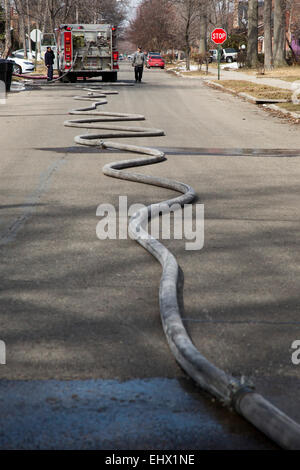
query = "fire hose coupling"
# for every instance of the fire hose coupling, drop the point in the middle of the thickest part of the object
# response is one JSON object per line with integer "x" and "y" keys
{"x": 238, "y": 394}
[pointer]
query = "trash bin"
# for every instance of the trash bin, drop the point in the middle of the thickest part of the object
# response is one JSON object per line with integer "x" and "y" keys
{"x": 9, "y": 73}
{"x": 2, "y": 71}
{"x": 6, "y": 70}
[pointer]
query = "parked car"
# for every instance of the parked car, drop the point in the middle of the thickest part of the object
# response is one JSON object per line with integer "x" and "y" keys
{"x": 228, "y": 54}
{"x": 210, "y": 58}
{"x": 213, "y": 54}
{"x": 148, "y": 54}
{"x": 21, "y": 65}
{"x": 155, "y": 60}
{"x": 20, "y": 53}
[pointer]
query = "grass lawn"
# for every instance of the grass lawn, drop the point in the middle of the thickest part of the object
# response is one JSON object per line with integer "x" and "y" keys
{"x": 196, "y": 73}
{"x": 287, "y": 79}
{"x": 290, "y": 107}
{"x": 256, "y": 90}
{"x": 288, "y": 74}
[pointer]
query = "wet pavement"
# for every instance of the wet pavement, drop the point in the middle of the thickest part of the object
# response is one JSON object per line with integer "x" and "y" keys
{"x": 108, "y": 415}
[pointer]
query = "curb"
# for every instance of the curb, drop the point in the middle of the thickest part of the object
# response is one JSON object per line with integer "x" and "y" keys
{"x": 246, "y": 96}
{"x": 282, "y": 110}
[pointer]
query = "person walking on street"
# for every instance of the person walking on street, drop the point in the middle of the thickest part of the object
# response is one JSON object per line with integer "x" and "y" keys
{"x": 49, "y": 61}
{"x": 138, "y": 64}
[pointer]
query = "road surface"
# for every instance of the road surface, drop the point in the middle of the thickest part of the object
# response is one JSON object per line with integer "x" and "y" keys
{"x": 86, "y": 355}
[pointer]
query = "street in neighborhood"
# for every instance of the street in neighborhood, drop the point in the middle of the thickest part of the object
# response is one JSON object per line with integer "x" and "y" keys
{"x": 87, "y": 362}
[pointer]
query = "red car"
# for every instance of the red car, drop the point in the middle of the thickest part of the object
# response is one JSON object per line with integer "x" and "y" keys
{"x": 155, "y": 60}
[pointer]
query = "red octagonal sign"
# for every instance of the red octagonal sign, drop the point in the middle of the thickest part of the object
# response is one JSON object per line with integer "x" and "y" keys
{"x": 218, "y": 36}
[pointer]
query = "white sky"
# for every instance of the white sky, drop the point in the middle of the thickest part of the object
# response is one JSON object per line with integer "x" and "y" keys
{"x": 134, "y": 4}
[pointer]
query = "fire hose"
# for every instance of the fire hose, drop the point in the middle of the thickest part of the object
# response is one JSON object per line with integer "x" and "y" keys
{"x": 232, "y": 392}
{"x": 43, "y": 77}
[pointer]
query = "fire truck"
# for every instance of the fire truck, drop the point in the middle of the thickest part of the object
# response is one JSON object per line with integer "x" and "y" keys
{"x": 87, "y": 50}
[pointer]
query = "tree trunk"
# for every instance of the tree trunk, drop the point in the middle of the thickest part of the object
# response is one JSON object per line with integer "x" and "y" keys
{"x": 38, "y": 22}
{"x": 203, "y": 28}
{"x": 8, "y": 42}
{"x": 23, "y": 34}
{"x": 268, "y": 60}
{"x": 187, "y": 46}
{"x": 44, "y": 22}
{"x": 188, "y": 52}
{"x": 252, "y": 55}
{"x": 28, "y": 31}
{"x": 279, "y": 32}
{"x": 21, "y": 14}
{"x": 236, "y": 23}
{"x": 50, "y": 15}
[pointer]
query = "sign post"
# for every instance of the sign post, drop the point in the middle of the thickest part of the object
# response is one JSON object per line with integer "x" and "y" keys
{"x": 36, "y": 36}
{"x": 218, "y": 36}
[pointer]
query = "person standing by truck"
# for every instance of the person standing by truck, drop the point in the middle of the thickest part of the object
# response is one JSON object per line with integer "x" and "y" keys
{"x": 138, "y": 64}
{"x": 49, "y": 61}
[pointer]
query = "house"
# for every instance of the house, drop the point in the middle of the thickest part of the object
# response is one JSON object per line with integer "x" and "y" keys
{"x": 292, "y": 23}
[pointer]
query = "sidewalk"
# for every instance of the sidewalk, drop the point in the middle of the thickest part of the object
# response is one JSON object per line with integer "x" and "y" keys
{"x": 236, "y": 75}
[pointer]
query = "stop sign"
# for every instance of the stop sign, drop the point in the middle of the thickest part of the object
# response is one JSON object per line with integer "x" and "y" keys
{"x": 218, "y": 36}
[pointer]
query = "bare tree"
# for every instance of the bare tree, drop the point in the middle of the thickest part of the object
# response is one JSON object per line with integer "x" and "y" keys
{"x": 153, "y": 27}
{"x": 8, "y": 41}
{"x": 268, "y": 58}
{"x": 20, "y": 9}
{"x": 236, "y": 23}
{"x": 92, "y": 11}
{"x": 279, "y": 32}
{"x": 54, "y": 8}
{"x": 222, "y": 12}
{"x": 2, "y": 28}
{"x": 203, "y": 26}
{"x": 188, "y": 25}
{"x": 293, "y": 27}
{"x": 252, "y": 51}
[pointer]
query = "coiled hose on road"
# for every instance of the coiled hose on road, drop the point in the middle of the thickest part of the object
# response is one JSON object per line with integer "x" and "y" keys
{"x": 230, "y": 391}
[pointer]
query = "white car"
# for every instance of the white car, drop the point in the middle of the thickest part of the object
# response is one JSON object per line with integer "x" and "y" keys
{"x": 21, "y": 65}
{"x": 228, "y": 54}
{"x": 20, "y": 54}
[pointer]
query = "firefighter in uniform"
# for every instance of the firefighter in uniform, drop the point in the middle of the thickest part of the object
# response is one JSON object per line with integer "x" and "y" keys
{"x": 49, "y": 61}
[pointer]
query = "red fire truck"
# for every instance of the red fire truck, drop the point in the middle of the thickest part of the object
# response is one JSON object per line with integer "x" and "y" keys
{"x": 87, "y": 50}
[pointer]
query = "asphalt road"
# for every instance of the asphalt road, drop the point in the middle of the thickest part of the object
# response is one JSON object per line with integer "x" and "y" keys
{"x": 82, "y": 314}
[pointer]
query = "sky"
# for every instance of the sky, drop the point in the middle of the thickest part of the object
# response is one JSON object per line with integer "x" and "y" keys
{"x": 134, "y": 4}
